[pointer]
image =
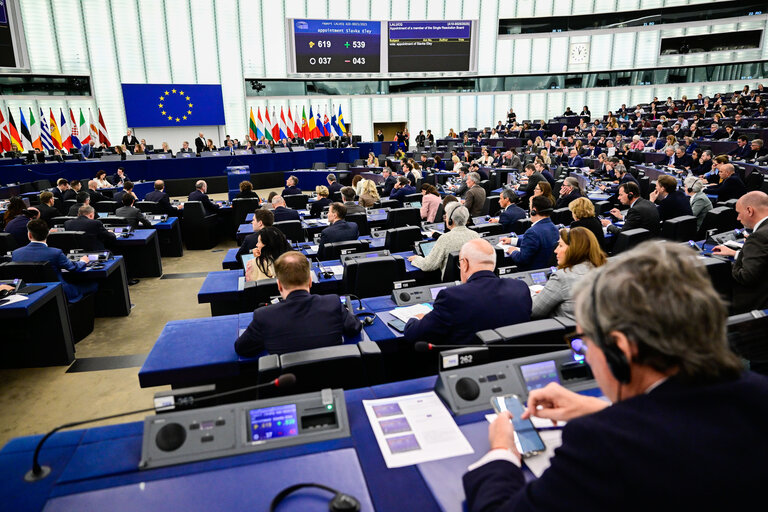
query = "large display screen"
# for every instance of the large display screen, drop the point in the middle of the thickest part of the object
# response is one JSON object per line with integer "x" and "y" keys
{"x": 337, "y": 46}
{"x": 7, "y": 55}
{"x": 273, "y": 422}
{"x": 416, "y": 46}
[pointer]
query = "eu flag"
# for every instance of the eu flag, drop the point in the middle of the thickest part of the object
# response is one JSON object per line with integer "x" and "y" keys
{"x": 173, "y": 105}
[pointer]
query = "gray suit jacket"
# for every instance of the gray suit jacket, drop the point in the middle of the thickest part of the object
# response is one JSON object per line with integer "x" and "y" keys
{"x": 134, "y": 214}
{"x": 700, "y": 205}
{"x": 750, "y": 271}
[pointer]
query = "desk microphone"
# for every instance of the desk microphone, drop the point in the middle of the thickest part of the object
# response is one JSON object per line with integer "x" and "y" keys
{"x": 423, "y": 346}
{"x": 326, "y": 274}
{"x": 39, "y": 472}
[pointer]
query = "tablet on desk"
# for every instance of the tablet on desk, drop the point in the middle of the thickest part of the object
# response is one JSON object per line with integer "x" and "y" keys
{"x": 245, "y": 258}
{"x": 424, "y": 248}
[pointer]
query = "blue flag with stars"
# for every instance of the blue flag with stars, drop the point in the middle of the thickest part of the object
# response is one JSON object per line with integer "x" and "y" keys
{"x": 173, "y": 105}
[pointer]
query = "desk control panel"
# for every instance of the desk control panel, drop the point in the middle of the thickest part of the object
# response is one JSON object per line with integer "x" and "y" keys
{"x": 466, "y": 387}
{"x": 531, "y": 277}
{"x": 235, "y": 429}
{"x": 405, "y": 295}
{"x": 346, "y": 258}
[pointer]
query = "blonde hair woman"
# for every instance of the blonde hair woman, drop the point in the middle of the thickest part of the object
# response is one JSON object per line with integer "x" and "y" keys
{"x": 370, "y": 195}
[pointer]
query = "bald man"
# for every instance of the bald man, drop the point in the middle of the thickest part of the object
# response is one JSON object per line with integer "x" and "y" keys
{"x": 731, "y": 186}
{"x": 200, "y": 194}
{"x": 750, "y": 268}
{"x": 160, "y": 197}
{"x": 482, "y": 301}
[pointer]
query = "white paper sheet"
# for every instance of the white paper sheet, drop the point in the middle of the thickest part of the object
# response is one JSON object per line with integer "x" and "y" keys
{"x": 415, "y": 428}
{"x": 337, "y": 270}
{"x": 407, "y": 312}
{"x": 13, "y": 298}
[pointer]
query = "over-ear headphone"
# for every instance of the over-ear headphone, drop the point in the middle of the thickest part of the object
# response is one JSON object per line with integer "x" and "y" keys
{"x": 339, "y": 503}
{"x": 614, "y": 357}
{"x": 630, "y": 195}
{"x": 534, "y": 211}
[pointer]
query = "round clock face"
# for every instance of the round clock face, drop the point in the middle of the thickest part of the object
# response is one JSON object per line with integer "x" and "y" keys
{"x": 579, "y": 53}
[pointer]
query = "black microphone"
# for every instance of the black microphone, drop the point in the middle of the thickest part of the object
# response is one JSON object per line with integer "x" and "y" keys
{"x": 423, "y": 346}
{"x": 39, "y": 472}
{"x": 327, "y": 274}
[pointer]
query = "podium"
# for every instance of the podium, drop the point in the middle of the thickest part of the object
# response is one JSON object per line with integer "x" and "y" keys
{"x": 235, "y": 175}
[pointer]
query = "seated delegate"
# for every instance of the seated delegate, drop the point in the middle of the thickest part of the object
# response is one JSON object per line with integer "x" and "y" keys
{"x": 535, "y": 250}
{"x": 159, "y": 196}
{"x": 578, "y": 252}
{"x": 282, "y": 212}
{"x": 339, "y": 229}
{"x": 270, "y": 245}
{"x": 670, "y": 201}
{"x": 291, "y": 187}
{"x": 456, "y": 217}
{"x": 302, "y": 321}
{"x": 199, "y": 194}
{"x": 261, "y": 219}
{"x": 700, "y": 203}
{"x": 97, "y": 237}
{"x": 641, "y": 213}
{"x": 583, "y": 213}
{"x": 682, "y": 402}
{"x": 483, "y": 301}
{"x": 510, "y": 211}
{"x": 316, "y": 208}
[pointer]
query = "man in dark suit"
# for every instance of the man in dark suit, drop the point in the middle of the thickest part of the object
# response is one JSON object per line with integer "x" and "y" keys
{"x": 185, "y": 147}
{"x": 61, "y": 188}
{"x": 339, "y": 229}
{"x": 389, "y": 181}
{"x": 534, "y": 178}
{"x": 291, "y": 188}
{"x": 97, "y": 236}
{"x": 622, "y": 175}
{"x": 483, "y": 301}
{"x": 750, "y": 268}
{"x": 348, "y": 196}
{"x": 333, "y": 185}
{"x": 672, "y": 391}
{"x": 402, "y": 189}
{"x": 510, "y": 212}
{"x": 47, "y": 211}
{"x": 71, "y": 193}
{"x": 96, "y": 196}
{"x": 575, "y": 160}
{"x": 129, "y": 140}
{"x": 282, "y": 212}
{"x": 670, "y": 201}
{"x": 730, "y": 188}
{"x": 200, "y": 143}
{"x": 742, "y": 149}
{"x": 682, "y": 159}
{"x": 539, "y": 241}
{"x": 82, "y": 199}
{"x": 37, "y": 250}
{"x": 756, "y": 149}
{"x": 119, "y": 177}
{"x": 641, "y": 214}
{"x": 569, "y": 191}
{"x": 199, "y": 194}
{"x": 302, "y": 321}
{"x": 160, "y": 197}
{"x": 132, "y": 213}
{"x": 17, "y": 226}
{"x": 127, "y": 189}
{"x": 262, "y": 218}
{"x": 474, "y": 200}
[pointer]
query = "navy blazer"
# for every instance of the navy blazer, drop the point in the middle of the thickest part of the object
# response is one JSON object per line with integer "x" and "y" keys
{"x": 485, "y": 301}
{"x": 282, "y": 213}
{"x": 96, "y": 197}
{"x": 339, "y": 231}
{"x": 97, "y": 236}
{"x": 301, "y": 322}
{"x": 334, "y": 187}
{"x": 731, "y": 188}
{"x": 38, "y": 251}
{"x": 740, "y": 153}
{"x": 646, "y": 453}
{"x": 576, "y": 161}
{"x": 564, "y": 201}
{"x": 614, "y": 189}
{"x": 538, "y": 246}
{"x": 389, "y": 184}
{"x": 17, "y": 227}
{"x": 510, "y": 215}
{"x": 164, "y": 201}
{"x": 401, "y": 192}
{"x": 208, "y": 205}
{"x": 291, "y": 191}
{"x": 317, "y": 207}
{"x": 674, "y": 205}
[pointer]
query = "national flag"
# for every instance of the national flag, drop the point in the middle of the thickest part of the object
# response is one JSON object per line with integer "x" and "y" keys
{"x": 103, "y": 135}
{"x": 334, "y": 124}
{"x": 26, "y": 137}
{"x": 75, "y": 130}
{"x": 45, "y": 134}
{"x": 285, "y": 130}
{"x": 319, "y": 124}
{"x": 275, "y": 126}
{"x": 252, "y": 129}
{"x": 5, "y": 134}
{"x": 34, "y": 130}
{"x": 16, "y": 144}
{"x": 267, "y": 125}
{"x": 66, "y": 134}
{"x": 312, "y": 127}
{"x": 326, "y": 124}
{"x": 296, "y": 129}
{"x": 93, "y": 128}
{"x": 55, "y": 135}
{"x": 341, "y": 122}
{"x": 304, "y": 125}
{"x": 260, "y": 128}
{"x": 292, "y": 132}
{"x": 83, "y": 132}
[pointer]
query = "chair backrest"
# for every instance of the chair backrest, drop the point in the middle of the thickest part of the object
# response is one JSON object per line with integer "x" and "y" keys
{"x": 645, "y": 186}
{"x": 291, "y": 229}
{"x": 59, "y": 221}
{"x": 679, "y": 229}
{"x": 440, "y": 213}
{"x": 630, "y": 238}
{"x": 7, "y": 243}
{"x": 361, "y": 219}
{"x": 336, "y": 197}
{"x": 342, "y": 166}
{"x": 105, "y": 206}
{"x": 41, "y": 185}
{"x": 520, "y": 226}
{"x": 746, "y": 336}
{"x": 399, "y": 217}
{"x": 536, "y": 332}
{"x": 562, "y": 216}
{"x": 242, "y": 207}
{"x": 118, "y": 221}
{"x": 68, "y": 240}
{"x": 29, "y": 271}
{"x": 491, "y": 206}
{"x": 359, "y": 162}
{"x": 296, "y": 201}
{"x": 333, "y": 250}
{"x": 148, "y": 207}
{"x": 318, "y": 165}
{"x": 389, "y": 203}
{"x": 402, "y": 239}
{"x": 257, "y": 293}
{"x": 193, "y": 212}
{"x": 452, "y": 272}
{"x": 490, "y": 229}
{"x": 373, "y": 277}
{"x": 754, "y": 181}
{"x": 412, "y": 198}
{"x": 720, "y": 219}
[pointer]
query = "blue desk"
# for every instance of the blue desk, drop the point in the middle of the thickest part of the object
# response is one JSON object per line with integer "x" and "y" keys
{"x": 169, "y": 237}
{"x": 112, "y": 297}
{"x": 223, "y": 291}
{"x": 142, "y": 253}
{"x": 36, "y": 331}
{"x": 376, "y": 218}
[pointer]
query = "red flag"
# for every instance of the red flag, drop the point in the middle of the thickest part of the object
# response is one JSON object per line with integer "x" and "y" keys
{"x": 288, "y": 126}
{"x": 103, "y": 137}
{"x": 296, "y": 130}
{"x": 276, "y": 126}
{"x": 304, "y": 125}
{"x": 5, "y": 134}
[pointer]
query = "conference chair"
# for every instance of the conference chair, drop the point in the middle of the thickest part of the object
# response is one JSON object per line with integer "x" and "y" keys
{"x": 359, "y": 162}
{"x": 105, "y": 206}
{"x": 754, "y": 181}
{"x": 119, "y": 221}
{"x": 399, "y": 217}
{"x": 373, "y": 277}
{"x": 489, "y": 229}
{"x": 721, "y": 275}
{"x": 257, "y": 294}
{"x": 291, "y": 229}
{"x": 318, "y": 165}
{"x": 491, "y": 206}
{"x": 412, "y": 198}
{"x": 242, "y": 207}
{"x": 59, "y": 221}
{"x": 333, "y": 250}
{"x": 361, "y": 219}
{"x": 679, "y": 229}
{"x": 342, "y": 166}
{"x": 41, "y": 185}
{"x": 520, "y": 226}
{"x": 440, "y": 213}
{"x": 746, "y": 337}
{"x": 68, "y": 241}
{"x": 402, "y": 239}
{"x": 601, "y": 207}
{"x": 66, "y": 205}
{"x": 452, "y": 272}
{"x": 26, "y": 187}
{"x": 720, "y": 219}
{"x": 486, "y": 184}
{"x": 336, "y": 197}
{"x": 645, "y": 186}
{"x": 547, "y": 331}
{"x": 562, "y": 216}
{"x": 629, "y": 239}
{"x": 150, "y": 207}
{"x": 296, "y": 201}
{"x": 388, "y": 203}
{"x": 198, "y": 230}
{"x": 81, "y": 313}
{"x": 7, "y": 243}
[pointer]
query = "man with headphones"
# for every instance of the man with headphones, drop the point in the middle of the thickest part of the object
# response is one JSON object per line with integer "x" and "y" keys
{"x": 685, "y": 427}
{"x": 539, "y": 241}
{"x": 641, "y": 214}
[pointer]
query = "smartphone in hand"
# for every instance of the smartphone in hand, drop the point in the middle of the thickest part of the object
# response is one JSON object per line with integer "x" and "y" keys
{"x": 528, "y": 441}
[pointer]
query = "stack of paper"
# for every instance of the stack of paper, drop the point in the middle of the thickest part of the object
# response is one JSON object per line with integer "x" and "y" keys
{"x": 408, "y": 312}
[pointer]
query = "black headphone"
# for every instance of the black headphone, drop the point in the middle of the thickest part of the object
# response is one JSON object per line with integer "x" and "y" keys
{"x": 534, "y": 211}
{"x": 614, "y": 357}
{"x": 366, "y": 317}
{"x": 339, "y": 503}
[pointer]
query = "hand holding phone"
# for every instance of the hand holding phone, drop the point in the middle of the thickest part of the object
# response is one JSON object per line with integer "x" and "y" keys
{"x": 510, "y": 411}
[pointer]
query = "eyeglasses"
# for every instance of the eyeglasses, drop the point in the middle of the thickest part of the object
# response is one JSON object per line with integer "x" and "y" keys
{"x": 576, "y": 342}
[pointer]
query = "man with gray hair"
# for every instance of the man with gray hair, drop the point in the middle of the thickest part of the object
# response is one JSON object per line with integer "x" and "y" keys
{"x": 281, "y": 211}
{"x": 333, "y": 185}
{"x": 483, "y": 301}
{"x": 97, "y": 237}
{"x": 660, "y": 354}
{"x": 510, "y": 212}
{"x": 700, "y": 203}
{"x": 456, "y": 217}
{"x": 569, "y": 191}
{"x": 199, "y": 194}
{"x": 750, "y": 268}
{"x": 474, "y": 200}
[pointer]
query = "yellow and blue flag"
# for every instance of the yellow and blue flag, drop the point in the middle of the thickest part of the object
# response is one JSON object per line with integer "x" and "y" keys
{"x": 173, "y": 105}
